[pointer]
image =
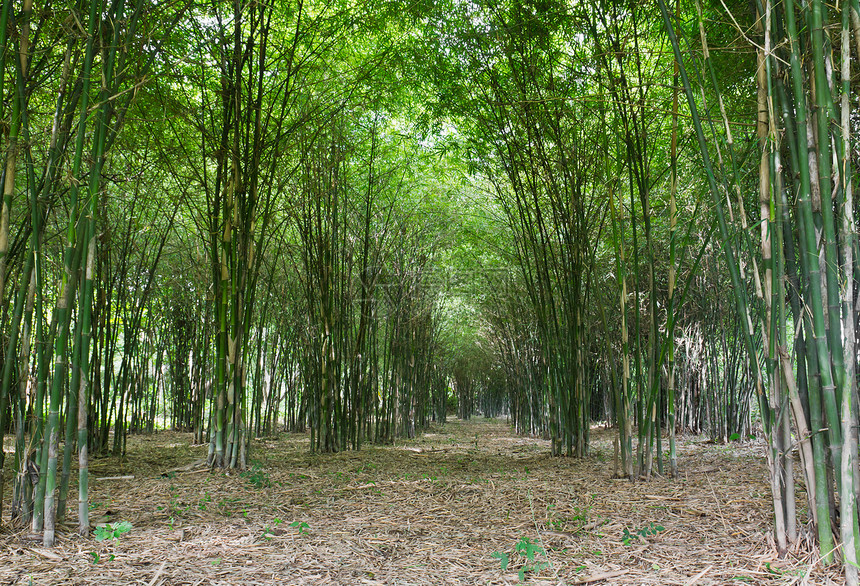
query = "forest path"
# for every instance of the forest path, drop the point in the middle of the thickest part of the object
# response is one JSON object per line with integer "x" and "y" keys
{"x": 443, "y": 508}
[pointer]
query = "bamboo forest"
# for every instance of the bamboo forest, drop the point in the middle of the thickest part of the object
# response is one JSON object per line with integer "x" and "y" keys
{"x": 429, "y": 292}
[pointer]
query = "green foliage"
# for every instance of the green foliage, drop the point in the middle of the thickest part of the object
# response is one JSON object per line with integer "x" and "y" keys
{"x": 268, "y": 531}
{"x": 176, "y": 507}
{"x": 424, "y": 204}
{"x": 97, "y": 557}
{"x": 256, "y": 476}
{"x": 228, "y": 506}
{"x": 530, "y": 555}
{"x": 529, "y": 548}
{"x": 629, "y": 537}
{"x": 504, "y": 559}
{"x": 112, "y": 530}
{"x": 203, "y": 503}
{"x": 556, "y": 521}
{"x": 451, "y": 403}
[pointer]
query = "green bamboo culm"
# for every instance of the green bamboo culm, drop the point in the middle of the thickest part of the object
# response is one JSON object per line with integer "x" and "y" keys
{"x": 814, "y": 323}
{"x": 831, "y": 324}
{"x": 86, "y": 237}
{"x": 11, "y": 153}
{"x": 820, "y": 389}
{"x": 739, "y": 291}
{"x": 5, "y": 212}
{"x": 849, "y": 528}
{"x": 738, "y": 288}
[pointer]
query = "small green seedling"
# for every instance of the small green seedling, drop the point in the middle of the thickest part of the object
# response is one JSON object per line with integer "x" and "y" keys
{"x": 97, "y": 558}
{"x": 301, "y": 526}
{"x": 504, "y": 559}
{"x": 528, "y": 549}
{"x": 112, "y": 530}
{"x": 629, "y": 537}
{"x": 202, "y": 503}
{"x": 256, "y": 476}
{"x": 268, "y": 531}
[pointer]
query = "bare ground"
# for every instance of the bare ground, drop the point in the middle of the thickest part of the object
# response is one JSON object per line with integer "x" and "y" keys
{"x": 445, "y": 508}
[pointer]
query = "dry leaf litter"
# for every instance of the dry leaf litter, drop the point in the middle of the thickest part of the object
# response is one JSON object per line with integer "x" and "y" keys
{"x": 444, "y": 508}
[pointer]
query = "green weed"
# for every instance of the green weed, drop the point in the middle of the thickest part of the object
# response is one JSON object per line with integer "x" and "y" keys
{"x": 629, "y": 537}
{"x": 268, "y": 531}
{"x": 112, "y": 530}
{"x": 556, "y": 521}
{"x": 203, "y": 503}
{"x": 527, "y": 552}
{"x": 256, "y": 476}
{"x": 97, "y": 558}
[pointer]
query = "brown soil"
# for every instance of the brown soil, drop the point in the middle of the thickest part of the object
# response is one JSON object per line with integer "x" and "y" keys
{"x": 444, "y": 508}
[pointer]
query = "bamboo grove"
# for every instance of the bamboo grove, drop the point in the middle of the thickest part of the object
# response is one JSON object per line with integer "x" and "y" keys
{"x": 354, "y": 219}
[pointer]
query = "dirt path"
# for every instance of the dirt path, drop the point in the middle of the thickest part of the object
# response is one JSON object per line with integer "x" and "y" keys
{"x": 446, "y": 508}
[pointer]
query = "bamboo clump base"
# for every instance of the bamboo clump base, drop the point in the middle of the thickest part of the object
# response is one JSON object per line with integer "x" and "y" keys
{"x": 432, "y": 510}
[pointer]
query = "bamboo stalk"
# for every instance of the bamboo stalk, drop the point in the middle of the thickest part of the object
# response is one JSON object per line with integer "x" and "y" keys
{"x": 741, "y": 303}
{"x": 849, "y": 530}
